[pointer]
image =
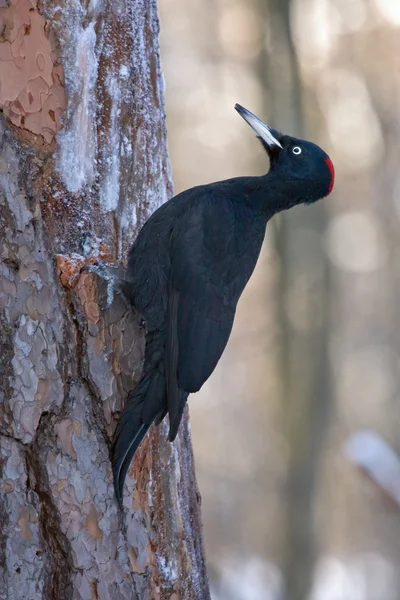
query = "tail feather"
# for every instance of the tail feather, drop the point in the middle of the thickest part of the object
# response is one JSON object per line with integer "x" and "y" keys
{"x": 123, "y": 457}
{"x": 143, "y": 406}
{"x": 175, "y": 418}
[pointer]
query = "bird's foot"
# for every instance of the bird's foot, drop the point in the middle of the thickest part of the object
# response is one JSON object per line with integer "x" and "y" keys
{"x": 112, "y": 277}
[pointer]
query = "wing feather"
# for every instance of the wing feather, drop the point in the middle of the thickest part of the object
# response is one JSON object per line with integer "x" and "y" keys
{"x": 171, "y": 358}
{"x": 200, "y": 273}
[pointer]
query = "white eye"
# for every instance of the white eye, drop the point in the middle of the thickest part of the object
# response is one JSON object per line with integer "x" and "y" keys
{"x": 296, "y": 150}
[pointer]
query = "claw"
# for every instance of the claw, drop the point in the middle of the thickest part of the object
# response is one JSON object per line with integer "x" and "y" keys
{"x": 113, "y": 277}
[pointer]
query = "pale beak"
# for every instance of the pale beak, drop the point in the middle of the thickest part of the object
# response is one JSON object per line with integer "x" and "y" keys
{"x": 267, "y": 134}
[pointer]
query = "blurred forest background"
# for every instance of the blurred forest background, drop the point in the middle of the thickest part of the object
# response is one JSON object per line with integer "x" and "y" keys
{"x": 297, "y": 434}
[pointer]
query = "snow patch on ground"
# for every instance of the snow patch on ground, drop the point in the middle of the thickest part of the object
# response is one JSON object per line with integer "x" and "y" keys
{"x": 370, "y": 451}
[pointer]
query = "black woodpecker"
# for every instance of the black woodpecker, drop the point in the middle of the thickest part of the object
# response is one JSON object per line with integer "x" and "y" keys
{"x": 187, "y": 269}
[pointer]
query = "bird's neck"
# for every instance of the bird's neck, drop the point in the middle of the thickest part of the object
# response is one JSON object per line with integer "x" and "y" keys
{"x": 269, "y": 194}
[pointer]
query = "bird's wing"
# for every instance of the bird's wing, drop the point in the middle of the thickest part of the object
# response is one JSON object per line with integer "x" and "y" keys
{"x": 171, "y": 362}
{"x": 201, "y": 304}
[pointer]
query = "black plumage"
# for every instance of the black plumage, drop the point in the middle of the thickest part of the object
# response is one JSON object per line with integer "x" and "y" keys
{"x": 187, "y": 270}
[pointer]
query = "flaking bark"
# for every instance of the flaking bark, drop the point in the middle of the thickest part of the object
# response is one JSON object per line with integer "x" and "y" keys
{"x": 66, "y": 365}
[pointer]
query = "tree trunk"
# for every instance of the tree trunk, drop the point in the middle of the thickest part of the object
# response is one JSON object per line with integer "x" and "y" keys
{"x": 83, "y": 162}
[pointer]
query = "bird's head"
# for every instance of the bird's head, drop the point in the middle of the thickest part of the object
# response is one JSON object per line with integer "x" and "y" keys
{"x": 304, "y": 171}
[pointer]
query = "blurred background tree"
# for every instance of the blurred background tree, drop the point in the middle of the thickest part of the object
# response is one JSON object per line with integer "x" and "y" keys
{"x": 305, "y": 400}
